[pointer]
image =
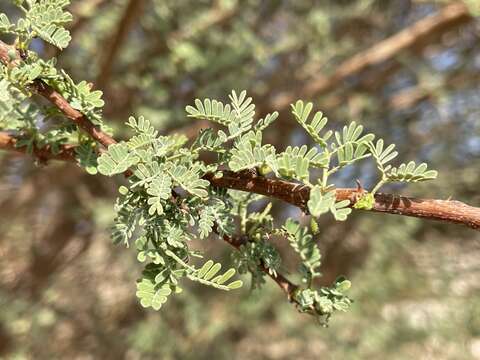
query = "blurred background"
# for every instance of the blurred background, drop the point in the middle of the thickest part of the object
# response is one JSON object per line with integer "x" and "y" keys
{"x": 408, "y": 70}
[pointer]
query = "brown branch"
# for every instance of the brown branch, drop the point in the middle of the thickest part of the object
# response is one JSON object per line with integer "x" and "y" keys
{"x": 298, "y": 195}
{"x": 451, "y": 211}
{"x": 448, "y": 17}
{"x": 65, "y": 153}
{"x": 287, "y": 287}
{"x": 49, "y": 93}
{"x": 132, "y": 11}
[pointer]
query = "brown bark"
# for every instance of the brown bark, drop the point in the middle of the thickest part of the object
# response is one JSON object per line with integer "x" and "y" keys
{"x": 297, "y": 194}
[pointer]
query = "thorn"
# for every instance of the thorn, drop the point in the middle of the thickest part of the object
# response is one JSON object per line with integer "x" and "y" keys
{"x": 360, "y": 188}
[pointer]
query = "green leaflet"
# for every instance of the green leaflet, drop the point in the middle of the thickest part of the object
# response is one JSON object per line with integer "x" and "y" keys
{"x": 411, "y": 173}
{"x": 87, "y": 158}
{"x": 47, "y": 19}
{"x": 320, "y": 203}
{"x": 142, "y": 126}
{"x": 302, "y": 111}
{"x": 382, "y": 156}
{"x": 236, "y": 116}
{"x": 189, "y": 180}
{"x": 159, "y": 190}
{"x": 116, "y": 160}
{"x": 212, "y": 110}
{"x": 302, "y": 242}
{"x": 5, "y": 25}
{"x": 152, "y": 295}
{"x": 207, "y": 275}
{"x": 206, "y": 222}
{"x": 54, "y": 34}
{"x": 262, "y": 124}
{"x": 365, "y": 202}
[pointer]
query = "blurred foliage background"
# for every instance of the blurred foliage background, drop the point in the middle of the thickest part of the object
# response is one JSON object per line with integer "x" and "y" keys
{"x": 67, "y": 292}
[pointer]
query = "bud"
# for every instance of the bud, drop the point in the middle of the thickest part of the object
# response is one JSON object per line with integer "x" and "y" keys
{"x": 264, "y": 170}
{"x": 12, "y": 54}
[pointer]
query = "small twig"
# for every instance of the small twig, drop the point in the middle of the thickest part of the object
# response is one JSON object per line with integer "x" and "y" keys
{"x": 287, "y": 287}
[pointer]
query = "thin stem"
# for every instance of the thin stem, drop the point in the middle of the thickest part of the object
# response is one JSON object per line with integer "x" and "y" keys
{"x": 378, "y": 186}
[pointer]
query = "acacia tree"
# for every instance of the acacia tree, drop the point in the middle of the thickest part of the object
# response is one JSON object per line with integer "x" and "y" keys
{"x": 178, "y": 187}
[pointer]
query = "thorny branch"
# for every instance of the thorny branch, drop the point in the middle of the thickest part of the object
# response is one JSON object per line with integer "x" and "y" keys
{"x": 293, "y": 193}
{"x": 298, "y": 194}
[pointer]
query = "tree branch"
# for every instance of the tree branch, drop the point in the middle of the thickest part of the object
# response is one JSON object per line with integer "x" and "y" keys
{"x": 293, "y": 193}
{"x": 65, "y": 153}
{"x": 448, "y": 17}
{"x": 49, "y": 93}
{"x": 296, "y": 194}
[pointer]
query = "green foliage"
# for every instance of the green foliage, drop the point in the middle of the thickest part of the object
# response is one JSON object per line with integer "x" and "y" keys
{"x": 404, "y": 173}
{"x": 236, "y": 116}
{"x": 252, "y": 256}
{"x": 411, "y": 173}
{"x": 302, "y": 242}
{"x": 313, "y": 127}
{"x": 248, "y": 153}
{"x": 189, "y": 180}
{"x": 324, "y": 302}
{"x": 167, "y": 201}
{"x": 46, "y": 18}
{"x": 159, "y": 190}
{"x": 87, "y": 158}
{"x": 152, "y": 295}
{"x": 207, "y": 275}
{"x": 162, "y": 166}
{"x": 321, "y": 203}
{"x": 365, "y": 202}
{"x": 43, "y": 18}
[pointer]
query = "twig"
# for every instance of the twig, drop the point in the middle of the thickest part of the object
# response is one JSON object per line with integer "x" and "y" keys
{"x": 287, "y": 287}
